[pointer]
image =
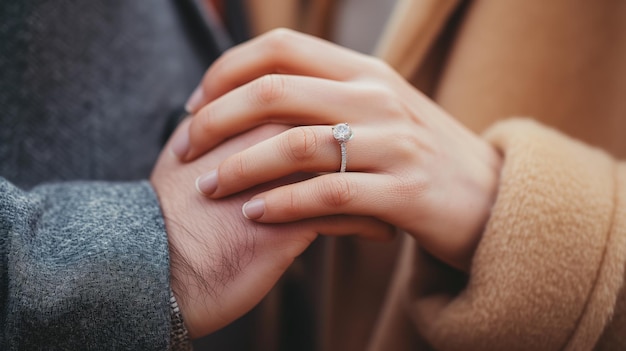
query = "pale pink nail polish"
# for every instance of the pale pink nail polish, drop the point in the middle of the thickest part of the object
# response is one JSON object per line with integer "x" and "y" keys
{"x": 180, "y": 144}
{"x": 253, "y": 209}
{"x": 194, "y": 101}
{"x": 207, "y": 184}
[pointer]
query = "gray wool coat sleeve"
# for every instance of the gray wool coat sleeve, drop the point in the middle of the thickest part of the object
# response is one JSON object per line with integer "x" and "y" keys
{"x": 89, "y": 92}
{"x": 84, "y": 265}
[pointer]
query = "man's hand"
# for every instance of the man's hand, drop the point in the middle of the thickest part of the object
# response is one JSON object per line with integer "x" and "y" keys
{"x": 222, "y": 264}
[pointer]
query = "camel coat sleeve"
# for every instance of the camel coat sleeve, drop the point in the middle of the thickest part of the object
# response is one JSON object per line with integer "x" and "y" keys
{"x": 549, "y": 271}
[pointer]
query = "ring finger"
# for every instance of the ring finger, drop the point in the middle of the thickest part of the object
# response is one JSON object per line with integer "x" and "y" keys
{"x": 301, "y": 149}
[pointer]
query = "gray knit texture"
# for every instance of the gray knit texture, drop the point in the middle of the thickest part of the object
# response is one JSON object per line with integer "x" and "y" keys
{"x": 87, "y": 87}
{"x": 84, "y": 267}
{"x": 88, "y": 92}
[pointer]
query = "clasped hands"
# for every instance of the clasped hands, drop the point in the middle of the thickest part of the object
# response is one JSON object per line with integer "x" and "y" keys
{"x": 260, "y": 150}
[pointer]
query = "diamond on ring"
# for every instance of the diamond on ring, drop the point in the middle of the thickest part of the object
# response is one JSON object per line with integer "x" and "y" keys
{"x": 343, "y": 133}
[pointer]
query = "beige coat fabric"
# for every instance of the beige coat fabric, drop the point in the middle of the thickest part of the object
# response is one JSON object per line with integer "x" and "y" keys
{"x": 549, "y": 271}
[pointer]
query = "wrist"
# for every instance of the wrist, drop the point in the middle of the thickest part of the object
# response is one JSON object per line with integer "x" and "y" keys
{"x": 181, "y": 271}
{"x": 488, "y": 191}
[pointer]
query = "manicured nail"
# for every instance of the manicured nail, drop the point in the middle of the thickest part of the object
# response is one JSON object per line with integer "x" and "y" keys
{"x": 207, "y": 184}
{"x": 253, "y": 209}
{"x": 194, "y": 101}
{"x": 180, "y": 144}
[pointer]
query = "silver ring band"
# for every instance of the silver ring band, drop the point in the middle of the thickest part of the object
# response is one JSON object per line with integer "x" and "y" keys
{"x": 344, "y": 157}
{"x": 343, "y": 133}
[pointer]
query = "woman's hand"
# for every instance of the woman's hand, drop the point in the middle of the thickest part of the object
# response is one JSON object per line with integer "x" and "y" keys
{"x": 409, "y": 164}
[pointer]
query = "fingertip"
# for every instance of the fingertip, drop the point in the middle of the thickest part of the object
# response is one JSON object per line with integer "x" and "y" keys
{"x": 198, "y": 187}
{"x": 195, "y": 100}
{"x": 181, "y": 144}
{"x": 207, "y": 184}
{"x": 190, "y": 155}
{"x": 253, "y": 209}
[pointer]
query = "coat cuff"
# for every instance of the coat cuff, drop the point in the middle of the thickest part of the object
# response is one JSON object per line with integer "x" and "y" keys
{"x": 85, "y": 266}
{"x": 550, "y": 265}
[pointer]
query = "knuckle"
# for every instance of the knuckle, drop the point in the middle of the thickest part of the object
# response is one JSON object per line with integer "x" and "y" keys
{"x": 292, "y": 205}
{"x": 338, "y": 192}
{"x": 204, "y": 119}
{"x": 277, "y": 47}
{"x": 406, "y": 141}
{"x": 387, "y": 102}
{"x": 410, "y": 188}
{"x": 279, "y": 39}
{"x": 222, "y": 68}
{"x": 378, "y": 68}
{"x": 391, "y": 105}
{"x": 288, "y": 203}
{"x": 411, "y": 185}
{"x": 267, "y": 90}
{"x": 406, "y": 145}
{"x": 380, "y": 65}
{"x": 300, "y": 145}
{"x": 235, "y": 167}
{"x": 218, "y": 70}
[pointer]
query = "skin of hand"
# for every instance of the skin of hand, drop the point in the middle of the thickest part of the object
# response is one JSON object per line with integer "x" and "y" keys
{"x": 409, "y": 164}
{"x": 222, "y": 264}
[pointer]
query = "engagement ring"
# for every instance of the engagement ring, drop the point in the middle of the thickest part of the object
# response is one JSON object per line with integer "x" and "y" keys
{"x": 343, "y": 133}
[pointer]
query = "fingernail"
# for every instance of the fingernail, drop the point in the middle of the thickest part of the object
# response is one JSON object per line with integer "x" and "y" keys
{"x": 194, "y": 101}
{"x": 253, "y": 209}
{"x": 180, "y": 144}
{"x": 207, "y": 184}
